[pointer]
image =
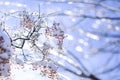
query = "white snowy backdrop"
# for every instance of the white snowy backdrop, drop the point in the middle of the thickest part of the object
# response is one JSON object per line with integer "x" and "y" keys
{"x": 92, "y": 42}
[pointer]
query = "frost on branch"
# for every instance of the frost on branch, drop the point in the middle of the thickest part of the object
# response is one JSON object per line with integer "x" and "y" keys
{"x": 32, "y": 43}
{"x": 56, "y": 32}
{"x": 27, "y": 21}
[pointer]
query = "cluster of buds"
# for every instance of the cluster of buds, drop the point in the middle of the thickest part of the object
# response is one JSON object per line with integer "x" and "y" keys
{"x": 46, "y": 71}
{"x": 4, "y": 59}
{"x": 27, "y": 22}
{"x": 33, "y": 27}
{"x": 56, "y": 32}
{"x": 46, "y": 49}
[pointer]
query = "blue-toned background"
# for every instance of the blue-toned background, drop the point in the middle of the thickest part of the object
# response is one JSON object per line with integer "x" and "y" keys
{"x": 92, "y": 27}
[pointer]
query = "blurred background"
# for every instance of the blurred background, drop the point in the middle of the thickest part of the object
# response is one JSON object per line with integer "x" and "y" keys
{"x": 91, "y": 50}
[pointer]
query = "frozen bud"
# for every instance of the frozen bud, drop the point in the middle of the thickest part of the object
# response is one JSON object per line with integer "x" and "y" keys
{"x": 1, "y": 40}
{"x": 5, "y": 53}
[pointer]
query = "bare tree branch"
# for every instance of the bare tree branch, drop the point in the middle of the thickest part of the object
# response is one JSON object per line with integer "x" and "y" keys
{"x": 85, "y": 16}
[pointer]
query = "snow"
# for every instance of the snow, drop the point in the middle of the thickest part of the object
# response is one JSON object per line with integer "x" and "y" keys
{"x": 4, "y": 55}
{"x": 76, "y": 41}
{"x": 26, "y": 73}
